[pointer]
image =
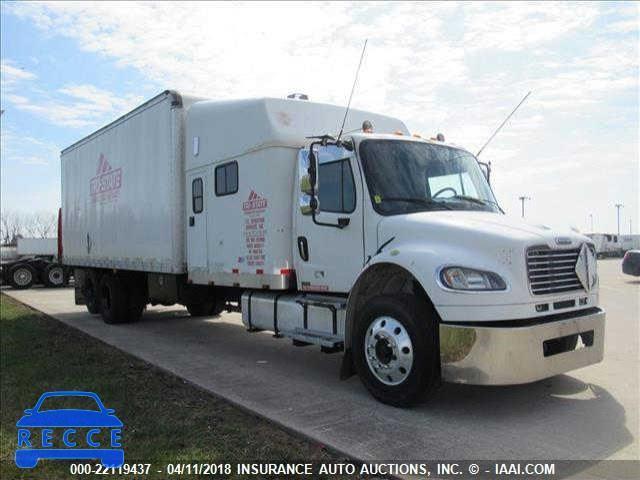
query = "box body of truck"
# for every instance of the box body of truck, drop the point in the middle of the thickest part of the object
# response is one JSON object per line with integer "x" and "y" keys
{"x": 122, "y": 191}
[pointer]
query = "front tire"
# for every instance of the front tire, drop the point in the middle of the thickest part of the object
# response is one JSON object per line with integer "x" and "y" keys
{"x": 22, "y": 276}
{"x": 395, "y": 349}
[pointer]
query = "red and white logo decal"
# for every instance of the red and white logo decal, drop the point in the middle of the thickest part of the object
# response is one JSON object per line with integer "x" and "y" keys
{"x": 107, "y": 182}
{"x": 255, "y": 202}
{"x": 255, "y": 234}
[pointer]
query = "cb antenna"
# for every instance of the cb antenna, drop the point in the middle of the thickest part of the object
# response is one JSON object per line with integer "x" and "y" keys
{"x": 352, "y": 90}
{"x": 502, "y": 124}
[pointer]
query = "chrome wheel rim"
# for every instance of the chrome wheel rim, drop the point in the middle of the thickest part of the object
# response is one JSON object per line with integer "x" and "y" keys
{"x": 22, "y": 276}
{"x": 388, "y": 350}
{"x": 55, "y": 276}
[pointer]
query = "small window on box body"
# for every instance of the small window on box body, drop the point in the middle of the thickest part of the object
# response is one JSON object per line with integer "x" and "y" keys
{"x": 197, "y": 195}
{"x": 227, "y": 179}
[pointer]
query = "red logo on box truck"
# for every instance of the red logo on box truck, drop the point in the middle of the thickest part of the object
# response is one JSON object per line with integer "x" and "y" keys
{"x": 255, "y": 202}
{"x": 254, "y": 229}
{"x": 107, "y": 182}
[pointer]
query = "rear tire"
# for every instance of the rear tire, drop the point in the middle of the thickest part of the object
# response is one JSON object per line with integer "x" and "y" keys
{"x": 114, "y": 300}
{"x": 204, "y": 309}
{"x": 54, "y": 276}
{"x": 91, "y": 295}
{"x": 137, "y": 290}
{"x": 395, "y": 349}
{"x": 22, "y": 276}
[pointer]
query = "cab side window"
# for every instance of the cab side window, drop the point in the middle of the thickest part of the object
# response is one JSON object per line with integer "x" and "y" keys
{"x": 336, "y": 188}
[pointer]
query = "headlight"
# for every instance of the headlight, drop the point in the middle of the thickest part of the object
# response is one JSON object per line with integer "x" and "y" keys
{"x": 460, "y": 278}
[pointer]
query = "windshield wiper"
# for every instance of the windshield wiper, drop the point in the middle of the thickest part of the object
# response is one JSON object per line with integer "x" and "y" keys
{"x": 479, "y": 201}
{"x": 418, "y": 200}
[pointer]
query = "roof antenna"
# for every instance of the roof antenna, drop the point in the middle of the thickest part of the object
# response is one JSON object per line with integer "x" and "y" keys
{"x": 502, "y": 124}
{"x": 352, "y": 90}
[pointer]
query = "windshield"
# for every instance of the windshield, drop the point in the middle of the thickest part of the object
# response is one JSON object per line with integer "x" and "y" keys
{"x": 407, "y": 176}
{"x": 67, "y": 402}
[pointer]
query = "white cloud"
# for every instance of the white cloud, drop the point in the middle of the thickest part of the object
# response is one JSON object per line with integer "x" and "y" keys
{"x": 624, "y": 26}
{"x": 21, "y": 148}
{"x": 458, "y": 68}
{"x": 513, "y": 26}
{"x": 12, "y": 75}
{"x": 75, "y": 105}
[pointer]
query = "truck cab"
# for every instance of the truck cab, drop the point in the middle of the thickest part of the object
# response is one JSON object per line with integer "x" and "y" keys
{"x": 385, "y": 217}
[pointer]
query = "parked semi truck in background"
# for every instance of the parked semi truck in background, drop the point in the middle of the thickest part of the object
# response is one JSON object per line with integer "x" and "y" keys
{"x": 613, "y": 245}
{"x": 33, "y": 261}
{"x": 384, "y": 246}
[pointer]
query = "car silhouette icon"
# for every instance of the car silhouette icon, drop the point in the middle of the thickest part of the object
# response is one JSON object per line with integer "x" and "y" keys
{"x": 96, "y": 418}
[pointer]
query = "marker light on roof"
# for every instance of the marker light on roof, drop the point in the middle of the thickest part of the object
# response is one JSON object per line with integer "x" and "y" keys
{"x": 398, "y": 132}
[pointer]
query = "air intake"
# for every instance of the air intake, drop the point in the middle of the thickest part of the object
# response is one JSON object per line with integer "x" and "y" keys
{"x": 552, "y": 271}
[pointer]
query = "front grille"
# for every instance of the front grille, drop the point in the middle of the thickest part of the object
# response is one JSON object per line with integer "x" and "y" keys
{"x": 552, "y": 271}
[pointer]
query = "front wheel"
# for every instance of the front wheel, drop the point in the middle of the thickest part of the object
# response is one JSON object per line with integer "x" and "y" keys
{"x": 395, "y": 349}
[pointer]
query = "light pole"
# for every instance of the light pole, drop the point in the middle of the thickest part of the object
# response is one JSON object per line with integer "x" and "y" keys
{"x": 522, "y": 199}
{"x": 591, "y": 218}
{"x": 619, "y": 206}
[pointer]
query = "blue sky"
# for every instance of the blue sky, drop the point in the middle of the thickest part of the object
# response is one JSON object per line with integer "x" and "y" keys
{"x": 69, "y": 68}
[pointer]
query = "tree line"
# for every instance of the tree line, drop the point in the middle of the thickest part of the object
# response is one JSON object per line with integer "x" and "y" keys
{"x": 14, "y": 225}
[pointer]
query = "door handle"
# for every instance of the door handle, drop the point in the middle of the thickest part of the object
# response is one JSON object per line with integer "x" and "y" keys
{"x": 303, "y": 248}
{"x": 192, "y": 221}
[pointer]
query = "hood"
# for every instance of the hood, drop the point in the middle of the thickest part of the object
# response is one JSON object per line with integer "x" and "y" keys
{"x": 471, "y": 227}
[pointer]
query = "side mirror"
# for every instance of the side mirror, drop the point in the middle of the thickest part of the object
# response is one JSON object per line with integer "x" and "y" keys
{"x": 109, "y": 411}
{"x": 307, "y": 204}
{"x": 486, "y": 170}
{"x": 307, "y": 172}
{"x": 29, "y": 411}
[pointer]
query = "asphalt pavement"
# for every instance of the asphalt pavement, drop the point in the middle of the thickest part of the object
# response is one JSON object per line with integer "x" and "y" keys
{"x": 588, "y": 414}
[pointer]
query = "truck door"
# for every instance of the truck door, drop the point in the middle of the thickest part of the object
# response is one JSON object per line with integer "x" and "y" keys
{"x": 329, "y": 251}
{"x": 196, "y": 224}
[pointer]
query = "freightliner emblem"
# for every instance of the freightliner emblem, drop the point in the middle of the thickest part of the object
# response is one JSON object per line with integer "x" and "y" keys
{"x": 586, "y": 267}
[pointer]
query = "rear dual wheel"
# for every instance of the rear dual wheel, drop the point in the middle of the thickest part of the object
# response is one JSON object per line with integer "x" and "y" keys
{"x": 120, "y": 301}
{"x": 204, "y": 309}
{"x": 91, "y": 293}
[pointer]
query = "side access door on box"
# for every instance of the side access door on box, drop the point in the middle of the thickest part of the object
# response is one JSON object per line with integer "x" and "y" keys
{"x": 196, "y": 204}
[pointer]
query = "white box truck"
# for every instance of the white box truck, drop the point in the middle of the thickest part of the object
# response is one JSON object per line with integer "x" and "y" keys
{"x": 381, "y": 245}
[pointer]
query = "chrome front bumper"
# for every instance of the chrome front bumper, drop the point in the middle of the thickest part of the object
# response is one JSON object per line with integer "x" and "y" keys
{"x": 519, "y": 352}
